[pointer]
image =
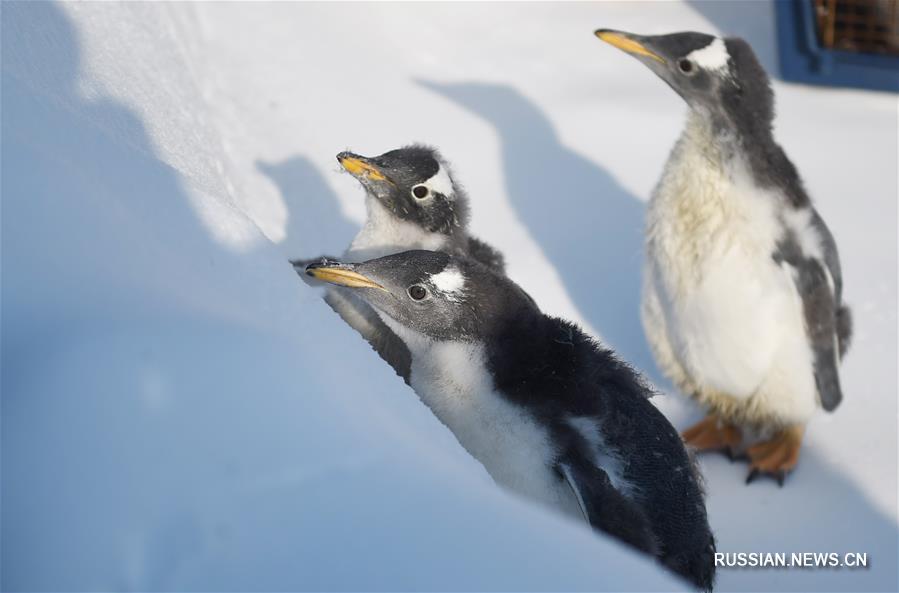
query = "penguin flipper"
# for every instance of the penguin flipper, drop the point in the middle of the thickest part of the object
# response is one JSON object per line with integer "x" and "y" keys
{"x": 822, "y": 332}
{"x": 361, "y": 317}
{"x": 821, "y": 327}
{"x": 832, "y": 261}
{"x": 487, "y": 255}
{"x": 605, "y": 508}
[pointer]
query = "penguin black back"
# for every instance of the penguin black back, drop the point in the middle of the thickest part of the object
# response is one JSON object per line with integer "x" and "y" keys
{"x": 547, "y": 365}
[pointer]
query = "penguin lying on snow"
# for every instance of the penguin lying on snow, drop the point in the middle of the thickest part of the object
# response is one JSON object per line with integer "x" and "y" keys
{"x": 742, "y": 300}
{"x": 413, "y": 202}
{"x": 547, "y": 411}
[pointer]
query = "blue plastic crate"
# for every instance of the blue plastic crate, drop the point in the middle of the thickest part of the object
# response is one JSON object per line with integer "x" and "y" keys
{"x": 804, "y": 59}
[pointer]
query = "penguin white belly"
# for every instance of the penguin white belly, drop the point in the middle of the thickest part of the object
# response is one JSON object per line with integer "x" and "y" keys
{"x": 452, "y": 379}
{"x": 742, "y": 336}
{"x": 732, "y": 315}
{"x": 728, "y": 328}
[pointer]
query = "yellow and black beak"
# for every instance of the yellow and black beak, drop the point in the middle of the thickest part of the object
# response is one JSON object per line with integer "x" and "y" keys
{"x": 341, "y": 275}
{"x": 361, "y": 168}
{"x": 632, "y": 44}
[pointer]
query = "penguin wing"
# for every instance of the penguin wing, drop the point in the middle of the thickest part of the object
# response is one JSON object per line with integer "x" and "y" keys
{"x": 604, "y": 507}
{"x": 830, "y": 254}
{"x": 361, "y": 317}
{"x": 487, "y": 255}
{"x": 832, "y": 259}
{"x": 817, "y": 289}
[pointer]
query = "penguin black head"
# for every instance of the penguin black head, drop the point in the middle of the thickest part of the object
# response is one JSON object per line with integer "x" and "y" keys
{"x": 414, "y": 184}
{"x": 439, "y": 296}
{"x": 718, "y": 77}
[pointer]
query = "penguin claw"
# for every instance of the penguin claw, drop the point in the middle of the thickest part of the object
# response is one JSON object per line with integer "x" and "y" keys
{"x": 733, "y": 455}
{"x": 779, "y": 476}
{"x": 776, "y": 457}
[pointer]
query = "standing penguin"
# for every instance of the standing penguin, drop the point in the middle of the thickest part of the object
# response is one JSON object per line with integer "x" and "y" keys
{"x": 547, "y": 411}
{"x": 742, "y": 300}
{"x": 412, "y": 202}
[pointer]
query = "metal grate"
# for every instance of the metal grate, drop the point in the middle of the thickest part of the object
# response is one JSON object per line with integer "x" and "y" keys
{"x": 863, "y": 26}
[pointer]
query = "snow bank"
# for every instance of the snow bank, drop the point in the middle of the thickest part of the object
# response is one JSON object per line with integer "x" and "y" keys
{"x": 179, "y": 410}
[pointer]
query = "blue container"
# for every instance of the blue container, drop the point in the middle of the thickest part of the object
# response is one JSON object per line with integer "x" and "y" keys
{"x": 804, "y": 59}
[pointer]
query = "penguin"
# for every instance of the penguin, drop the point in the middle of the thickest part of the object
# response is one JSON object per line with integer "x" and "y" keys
{"x": 551, "y": 414}
{"x": 413, "y": 202}
{"x": 742, "y": 299}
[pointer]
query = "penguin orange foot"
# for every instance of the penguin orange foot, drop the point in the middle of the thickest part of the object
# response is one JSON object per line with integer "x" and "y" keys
{"x": 713, "y": 434}
{"x": 776, "y": 457}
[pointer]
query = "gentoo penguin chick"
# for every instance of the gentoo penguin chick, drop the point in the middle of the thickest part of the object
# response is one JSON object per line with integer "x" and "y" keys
{"x": 742, "y": 300}
{"x": 547, "y": 411}
{"x": 412, "y": 202}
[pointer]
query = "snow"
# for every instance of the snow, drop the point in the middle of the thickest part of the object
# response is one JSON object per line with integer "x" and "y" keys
{"x": 181, "y": 411}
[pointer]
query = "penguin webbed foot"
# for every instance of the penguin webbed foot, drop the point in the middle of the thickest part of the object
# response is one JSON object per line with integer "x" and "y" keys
{"x": 713, "y": 434}
{"x": 776, "y": 457}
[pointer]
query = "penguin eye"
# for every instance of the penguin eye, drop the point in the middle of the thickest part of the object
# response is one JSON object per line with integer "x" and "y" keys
{"x": 417, "y": 292}
{"x": 685, "y": 65}
{"x": 420, "y": 192}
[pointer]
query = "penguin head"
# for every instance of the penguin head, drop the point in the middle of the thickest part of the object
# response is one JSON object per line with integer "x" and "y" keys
{"x": 435, "y": 295}
{"x": 718, "y": 77}
{"x": 414, "y": 184}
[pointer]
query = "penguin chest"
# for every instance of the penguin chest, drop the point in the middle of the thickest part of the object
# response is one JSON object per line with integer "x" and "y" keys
{"x": 384, "y": 234}
{"x": 727, "y": 305}
{"x": 453, "y": 380}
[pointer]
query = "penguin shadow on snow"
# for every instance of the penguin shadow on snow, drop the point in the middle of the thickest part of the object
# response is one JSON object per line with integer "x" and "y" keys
{"x": 589, "y": 227}
{"x": 89, "y": 209}
{"x": 315, "y": 223}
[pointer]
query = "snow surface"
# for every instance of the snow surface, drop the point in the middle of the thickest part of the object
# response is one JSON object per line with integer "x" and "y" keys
{"x": 180, "y": 411}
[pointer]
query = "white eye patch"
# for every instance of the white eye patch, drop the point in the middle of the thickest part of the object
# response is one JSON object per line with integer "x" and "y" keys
{"x": 714, "y": 56}
{"x": 440, "y": 183}
{"x": 450, "y": 281}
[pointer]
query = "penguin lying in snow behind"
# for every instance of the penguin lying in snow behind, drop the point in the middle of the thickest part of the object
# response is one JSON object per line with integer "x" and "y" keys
{"x": 412, "y": 202}
{"x": 547, "y": 411}
{"x": 742, "y": 300}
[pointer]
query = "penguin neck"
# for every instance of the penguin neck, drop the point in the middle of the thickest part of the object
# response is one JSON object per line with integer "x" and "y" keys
{"x": 711, "y": 135}
{"x": 433, "y": 357}
{"x": 709, "y": 156}
{"x": 724, "y": 136}
{"x": 450, "y": 376}
{"x": 384, "y": 233}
